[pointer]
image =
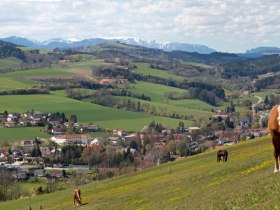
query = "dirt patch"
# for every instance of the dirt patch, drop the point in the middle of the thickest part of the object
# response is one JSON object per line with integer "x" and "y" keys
{"x": 81, "y": 72}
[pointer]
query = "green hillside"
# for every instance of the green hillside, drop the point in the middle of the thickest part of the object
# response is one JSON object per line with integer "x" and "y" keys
{"x": 9, "y": 62}
{"x": 40, "y": 72}
{"x": 246, "y": 181}
{"x": 143, "y": 68}
{"x": 86, "y": 112}
{"x": 6, "y": 83}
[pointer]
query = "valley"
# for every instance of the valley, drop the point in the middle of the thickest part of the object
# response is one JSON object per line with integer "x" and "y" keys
{"x": 116, "y": 109}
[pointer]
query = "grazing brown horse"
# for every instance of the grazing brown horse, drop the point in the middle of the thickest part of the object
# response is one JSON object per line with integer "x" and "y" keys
{"x": 77, "y": 197}
{"x": 274, "y": 128}
{"x": 222, "y": 154}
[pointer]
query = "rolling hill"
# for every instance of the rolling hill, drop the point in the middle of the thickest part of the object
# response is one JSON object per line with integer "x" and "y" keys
{"x": 246, "y": 181}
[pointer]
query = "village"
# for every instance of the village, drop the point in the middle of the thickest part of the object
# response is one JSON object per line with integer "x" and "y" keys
{"x": 52, "y": 159}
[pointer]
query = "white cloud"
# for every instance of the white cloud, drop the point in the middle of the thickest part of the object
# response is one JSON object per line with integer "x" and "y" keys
{"x": 227, "y": 25}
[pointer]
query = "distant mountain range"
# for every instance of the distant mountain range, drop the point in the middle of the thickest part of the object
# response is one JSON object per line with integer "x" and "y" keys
{"x": 60, "y": 43}
{"x": 166, "y": 46}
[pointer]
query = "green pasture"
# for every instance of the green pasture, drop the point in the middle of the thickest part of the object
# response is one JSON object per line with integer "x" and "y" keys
{"x": 86, "y": 112}
{"x": 120, "y": 45}
{"x": 266, "y": 93}
{"x": 30, "y": 186}
{"x": 143, "y": 68}
{"x": 191, "y": 104}
{"x": 112, "y": 45}
{"x": 22, "y": 133}
{"x": 41, "y": 51}
{"x": 40, "y": 72}
{"x": 154, "y": 91}
{"x": 9, "y": 62}
{"x": 6, "y": 83}
{"x": 245, "y": 181}
{"x": 88, "y": 64}
{"x": 168, "y": 108}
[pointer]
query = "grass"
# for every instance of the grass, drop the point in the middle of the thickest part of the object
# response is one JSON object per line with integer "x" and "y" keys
{"x": 143, "y": 68}
{"x": 85, "y": 64}
{"x": 41, "y": 51}
{"x": 246, "y": 181}
{"x": 168, "y": 109}
{"x": 30, "y": 186}
{"x": 35, "y": 73}
{"x": 9, "y": 62}
{"x": 16, "y": 134}
{"x": 154, "y": 91}
{"x": 86, "y": 112}
{"x": 6, "y": 83}
{"x": 192, "y": 104}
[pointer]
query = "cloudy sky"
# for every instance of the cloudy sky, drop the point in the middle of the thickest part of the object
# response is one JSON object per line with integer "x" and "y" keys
{"x": 225, "y": 25}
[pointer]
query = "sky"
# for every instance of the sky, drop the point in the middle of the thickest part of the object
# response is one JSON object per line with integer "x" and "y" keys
{"x": 224, "y": 25}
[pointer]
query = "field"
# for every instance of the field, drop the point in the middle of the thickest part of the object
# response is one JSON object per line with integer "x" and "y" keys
{"x": 9, "y": 62}
{"x": 6, "y": 83}
{"x": 86, "y": 112}
{"x": 246, "y": 181}
{"x": 41, "y": 51}
{"x": 15, "y": 134}
{"x": 143, "y": 68}
{"x": 154, "y": 91}
{"x": 41, "y": 72}
{"x": 192, "y": 104}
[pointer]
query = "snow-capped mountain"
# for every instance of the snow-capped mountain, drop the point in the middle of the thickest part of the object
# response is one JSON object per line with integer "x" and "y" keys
{"x": 61, "y": 43}
{"x": 169, "y": 46}
{"x": 47, "y": 42}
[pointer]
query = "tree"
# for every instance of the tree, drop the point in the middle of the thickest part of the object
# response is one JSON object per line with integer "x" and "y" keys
{"x": 6, "y": 113}
{"x": 183, "y": 148}
{"x": 73, "y": 118}
{"x": 8, "y": 188}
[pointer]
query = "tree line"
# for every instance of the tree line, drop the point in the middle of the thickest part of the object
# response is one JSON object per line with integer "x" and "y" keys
{"x": 31, "y": 91}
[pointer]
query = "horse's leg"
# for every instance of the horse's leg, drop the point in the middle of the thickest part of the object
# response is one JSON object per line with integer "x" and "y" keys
{"x": 275, "y": 137}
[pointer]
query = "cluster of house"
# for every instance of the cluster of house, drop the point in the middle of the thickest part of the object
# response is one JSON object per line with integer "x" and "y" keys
{"x": 23, "y": 166}
{"x": 58, "y": 128}
{"x": 10, "y": 120}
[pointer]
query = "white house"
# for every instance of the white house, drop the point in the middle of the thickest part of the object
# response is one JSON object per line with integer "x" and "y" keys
{"x": 81, "y": 139}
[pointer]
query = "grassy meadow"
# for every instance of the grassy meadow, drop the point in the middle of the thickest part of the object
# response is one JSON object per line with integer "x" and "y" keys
{"x": 7, "y": 83}
{"x": 40, "y": 72}
{"x": 86, "y": 112}
{"x": 22, "y": 133}
{"x": 9, "y": 62}
{"x": 246, "y": 181}
{"x": 143, "y": 68}
{"x": 154, "y": 91}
